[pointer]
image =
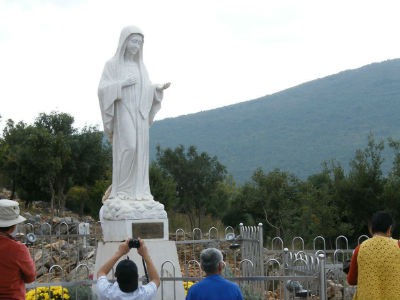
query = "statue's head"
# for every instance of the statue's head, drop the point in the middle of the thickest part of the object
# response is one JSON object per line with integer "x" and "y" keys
{"x": 134, "y": 43}
{"x": 129, "y": 30}
{"x": 132, "y": 35}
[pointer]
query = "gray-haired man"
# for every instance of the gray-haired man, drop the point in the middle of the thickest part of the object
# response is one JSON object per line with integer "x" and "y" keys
{"x": 214, "y": 286}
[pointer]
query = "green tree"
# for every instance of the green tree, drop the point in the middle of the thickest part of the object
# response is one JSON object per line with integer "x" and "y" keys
{"x": 391, "y": 192}
{"x": 8, "y": 154}
{"x": 12, "y": 144}
{"x": 363, "y": 191}
{"x": 77, "y": 196}
{"x": 23, "y": 148}
{"x": 223, "y": 196}
{"x": 271, "y": 199}
{"x": 36, "y": 165}
{"x": 324, "y": 214}
{"x": 46, "y": 159}
{"x": 59, "y": 127}
{"x": 91, "y": 164}
{"x": 197, "y": 177}
{"x": 96, "y": 193}
{"x": 91, "y": 156}
{"x": 163, "y": 186}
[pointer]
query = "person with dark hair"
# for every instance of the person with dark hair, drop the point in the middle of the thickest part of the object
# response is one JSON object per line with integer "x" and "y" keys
{"x": 375, "y": 263}
{"x": 126, "y": 272}
{"x": 214, "y": 286}
{"x": 16, "y": 264}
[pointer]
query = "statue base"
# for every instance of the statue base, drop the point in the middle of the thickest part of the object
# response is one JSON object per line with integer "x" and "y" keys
{"x": 120, "y": 230}
{"x": 123, "y": 219}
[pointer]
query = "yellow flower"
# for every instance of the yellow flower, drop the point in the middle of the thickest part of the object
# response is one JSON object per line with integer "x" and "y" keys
{"x": 187, "y": 285}
{"x": 47, "y": 293}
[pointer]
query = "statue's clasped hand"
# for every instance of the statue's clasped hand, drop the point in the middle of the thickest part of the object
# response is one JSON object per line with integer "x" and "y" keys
{"x": 130, "y": 80}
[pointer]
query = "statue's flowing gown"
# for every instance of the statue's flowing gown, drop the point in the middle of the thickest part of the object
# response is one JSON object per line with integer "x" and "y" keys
{"x": 127, "y": 114}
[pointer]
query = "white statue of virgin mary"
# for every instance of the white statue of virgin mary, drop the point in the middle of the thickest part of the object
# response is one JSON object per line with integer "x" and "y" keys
{"x": 128, "y": 103}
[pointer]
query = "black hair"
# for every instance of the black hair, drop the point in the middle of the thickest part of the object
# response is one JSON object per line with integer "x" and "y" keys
{"x": 381, "y": 221}
{"x": 127, "y": 275}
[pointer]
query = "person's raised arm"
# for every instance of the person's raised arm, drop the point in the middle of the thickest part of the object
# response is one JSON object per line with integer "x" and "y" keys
{"x": 144, "y": 253}
{"x": 122, "y": 250}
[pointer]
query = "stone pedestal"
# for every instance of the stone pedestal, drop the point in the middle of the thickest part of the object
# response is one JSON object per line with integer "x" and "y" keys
{"x": 123, "y": 219}
{"x": 148, "y": 229}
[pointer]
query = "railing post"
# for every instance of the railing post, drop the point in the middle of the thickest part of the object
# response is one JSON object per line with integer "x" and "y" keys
{"x": 322, "y": 279}
{"x": 285, "y": 271}
{"x": 261, "y": 245}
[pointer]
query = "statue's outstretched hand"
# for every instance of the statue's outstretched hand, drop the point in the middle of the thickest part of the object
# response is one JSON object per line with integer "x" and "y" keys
{"x": 164, "y": 86}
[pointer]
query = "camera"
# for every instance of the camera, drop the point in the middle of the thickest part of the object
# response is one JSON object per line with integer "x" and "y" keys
{"x": 133, "y": 243}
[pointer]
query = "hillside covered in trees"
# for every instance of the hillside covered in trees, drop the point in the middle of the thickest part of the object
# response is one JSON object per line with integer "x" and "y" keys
{"x": 296, "y": 129}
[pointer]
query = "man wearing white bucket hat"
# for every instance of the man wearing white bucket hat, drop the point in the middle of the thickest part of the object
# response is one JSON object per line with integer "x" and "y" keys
{"x": 16, "y": 264}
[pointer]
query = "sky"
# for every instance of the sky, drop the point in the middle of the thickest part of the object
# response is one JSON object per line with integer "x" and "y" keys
{"x": 214, "y": 52}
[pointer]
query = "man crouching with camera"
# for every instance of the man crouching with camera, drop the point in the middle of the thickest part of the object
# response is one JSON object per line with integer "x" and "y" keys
{"x": 126, "y": 272}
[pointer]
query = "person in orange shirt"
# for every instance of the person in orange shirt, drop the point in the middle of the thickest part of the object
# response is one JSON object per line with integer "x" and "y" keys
{"x": 375, "y": 263}
{"x": 16, "y": 264}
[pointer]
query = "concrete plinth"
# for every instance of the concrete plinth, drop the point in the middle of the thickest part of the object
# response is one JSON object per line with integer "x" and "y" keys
{"x": 148, "y": 229}
{"x": 164, "y": 256}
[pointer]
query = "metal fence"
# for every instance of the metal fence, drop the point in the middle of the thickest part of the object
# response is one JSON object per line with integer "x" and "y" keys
{"x": 261, "y": 273}
{"x": 64, "y": 255}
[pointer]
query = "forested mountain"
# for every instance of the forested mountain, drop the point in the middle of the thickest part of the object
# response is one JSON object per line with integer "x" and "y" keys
{"x": 296, "y": 129}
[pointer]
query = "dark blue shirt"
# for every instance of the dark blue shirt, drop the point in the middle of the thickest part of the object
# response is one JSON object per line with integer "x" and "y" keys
{"x": 214, "y": 287}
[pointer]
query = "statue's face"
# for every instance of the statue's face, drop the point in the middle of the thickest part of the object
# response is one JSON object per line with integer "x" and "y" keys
{"x": 134, "y": 43}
